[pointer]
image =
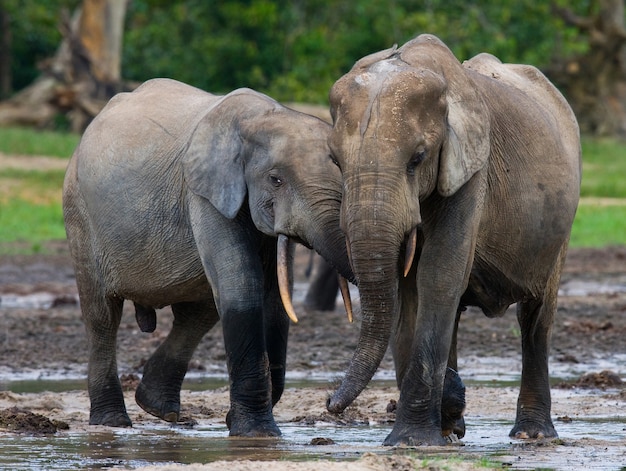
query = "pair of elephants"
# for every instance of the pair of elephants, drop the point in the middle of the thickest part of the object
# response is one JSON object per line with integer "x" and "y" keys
{"x": 439, "y": 185}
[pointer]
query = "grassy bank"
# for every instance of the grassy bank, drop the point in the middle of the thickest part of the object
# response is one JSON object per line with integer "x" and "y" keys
{"x": 26, "y": 141}
{"x": 30, "y": 196}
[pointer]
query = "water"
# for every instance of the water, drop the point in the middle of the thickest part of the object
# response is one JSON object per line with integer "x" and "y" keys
{"x": 588, "y": 442}
{"x": 163, "y": 444}
{"x": 45, "y": 300}
{"x": 474, "y": 370}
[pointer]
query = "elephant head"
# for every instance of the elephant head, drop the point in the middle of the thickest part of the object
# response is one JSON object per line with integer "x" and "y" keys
{"x": 408, "y": 126}
{"x": 248, "y": 147}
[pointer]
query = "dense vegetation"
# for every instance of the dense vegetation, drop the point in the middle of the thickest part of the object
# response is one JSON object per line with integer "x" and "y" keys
{"x": 294, "y": 50}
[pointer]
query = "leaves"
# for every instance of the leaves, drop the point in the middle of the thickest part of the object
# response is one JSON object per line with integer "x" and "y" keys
{"x": 295, "y": 50}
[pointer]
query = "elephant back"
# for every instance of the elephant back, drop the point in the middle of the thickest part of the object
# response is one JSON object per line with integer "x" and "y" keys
{"x": 534, "y": 84}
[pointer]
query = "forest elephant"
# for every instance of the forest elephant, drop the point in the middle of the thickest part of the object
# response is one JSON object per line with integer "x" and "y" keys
{"x": 178, "y": 197}
{"x": 460, "y": 185}
{"x": 324, "y": 285}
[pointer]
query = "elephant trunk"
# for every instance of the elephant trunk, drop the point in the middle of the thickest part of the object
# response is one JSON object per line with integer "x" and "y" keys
{"x": 374, "y": 240}
{"x": 371, "y": 348}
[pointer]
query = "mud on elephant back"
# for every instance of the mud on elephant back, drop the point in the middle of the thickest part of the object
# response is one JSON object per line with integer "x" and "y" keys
{"x": 177, "y": 197}
{"x": 460, "y": 185}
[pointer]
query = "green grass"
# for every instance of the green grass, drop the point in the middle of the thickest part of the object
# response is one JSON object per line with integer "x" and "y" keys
{"x": 604, "y": 168}
{"x": 35, "y": 180}
{"x": 26, "y": 141}
{"x": 599, "y": 226}
{"x": 30, "y": 200}
{"x": 33, "y": 223}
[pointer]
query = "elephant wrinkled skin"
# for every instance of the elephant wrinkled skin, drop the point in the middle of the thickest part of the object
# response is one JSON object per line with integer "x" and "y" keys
{"x": 176, "y": 197}
{"x": 460, "y": 185}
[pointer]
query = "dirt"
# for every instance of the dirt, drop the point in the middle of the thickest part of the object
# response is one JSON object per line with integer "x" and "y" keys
{"x": 47, "y": 337}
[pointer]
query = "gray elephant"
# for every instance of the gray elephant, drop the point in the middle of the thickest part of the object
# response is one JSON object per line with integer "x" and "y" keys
{"x": 460, "y": 185}
{"x": 177, "y": 197}
{"x": 324, "y": 286}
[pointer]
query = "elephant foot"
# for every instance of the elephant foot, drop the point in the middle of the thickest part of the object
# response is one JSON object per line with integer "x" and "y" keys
{"x": 525, "y": 430}
{"x": 453, "y": 405}
{"x": 251, "y": 426}
{"x": 411, "y": 436}
{"x": 154, "y": 404}
{"x": 110, "y": 419}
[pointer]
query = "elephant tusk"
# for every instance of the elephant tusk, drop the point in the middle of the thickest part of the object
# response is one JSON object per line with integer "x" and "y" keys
{"x": 348, "y": 253}
{"x": 345, "y": 294}
{"x": 282, "y": 271}
{"x": 410, "y": 251}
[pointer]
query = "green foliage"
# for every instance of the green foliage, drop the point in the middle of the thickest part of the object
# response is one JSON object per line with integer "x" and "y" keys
{"x": 35, "y": 35}
{"x": 294, "y": 51}
{"x": 26, "y": 141}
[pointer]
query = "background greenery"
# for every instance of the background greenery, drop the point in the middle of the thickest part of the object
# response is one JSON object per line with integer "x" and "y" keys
{"x": 295, "y": 50}
{"x": 30, "y": 200}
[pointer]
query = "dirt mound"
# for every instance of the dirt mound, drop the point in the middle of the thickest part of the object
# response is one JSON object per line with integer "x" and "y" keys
{"x": 18, "y": 420}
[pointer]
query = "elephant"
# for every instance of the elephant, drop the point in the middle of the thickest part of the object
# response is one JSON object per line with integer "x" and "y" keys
{"x": 324, "y": 286}
{"x": 178, "y": 197}
{"x": 460, "y": 186}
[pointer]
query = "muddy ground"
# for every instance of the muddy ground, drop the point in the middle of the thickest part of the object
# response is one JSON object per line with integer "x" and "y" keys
{"x": 41, "y": 334}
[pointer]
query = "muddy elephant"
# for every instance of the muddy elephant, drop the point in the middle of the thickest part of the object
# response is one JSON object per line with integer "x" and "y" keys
{"x": 460, "y": 185}
{"x": 178, "y": 197}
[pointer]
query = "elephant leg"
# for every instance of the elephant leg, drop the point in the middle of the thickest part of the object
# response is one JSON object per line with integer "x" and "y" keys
{"x": 536, "y": 318}
{"x": 404, "y": 325}
{"x": 102, "y": 318}
{"x": 250, "y": 413}
{"x": 534, "y": 403}
{"x": 163, "y": 374}
{"x": 453, "y": 399}
{"x": 276, "y": 322}
{"x": 231, "y": 253}
{"x": 322, "y": 292}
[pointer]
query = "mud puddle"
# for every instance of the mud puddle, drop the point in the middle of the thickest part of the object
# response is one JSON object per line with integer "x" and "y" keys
{"x": 162, "y": 444}
{"x": 591, "y": 435}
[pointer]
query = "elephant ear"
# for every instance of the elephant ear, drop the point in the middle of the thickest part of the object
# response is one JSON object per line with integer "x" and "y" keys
{"x": 466, "y": 147}
{"x": 213, "y": 162}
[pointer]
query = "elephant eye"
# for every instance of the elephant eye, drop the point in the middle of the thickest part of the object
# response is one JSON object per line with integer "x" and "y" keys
{"x": 415, "y": 160}
{"x": 276, "y": 181}
{"x": 333, "y": 159}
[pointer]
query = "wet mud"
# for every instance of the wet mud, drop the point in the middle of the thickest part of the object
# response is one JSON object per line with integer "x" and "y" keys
{"x": 42, "y": 342}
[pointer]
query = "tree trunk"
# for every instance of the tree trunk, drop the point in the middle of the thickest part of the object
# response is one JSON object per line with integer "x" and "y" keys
{"x": 5, "y": 53}
{"x": 595, "y": 82}
{"x": 82, "y": 76}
